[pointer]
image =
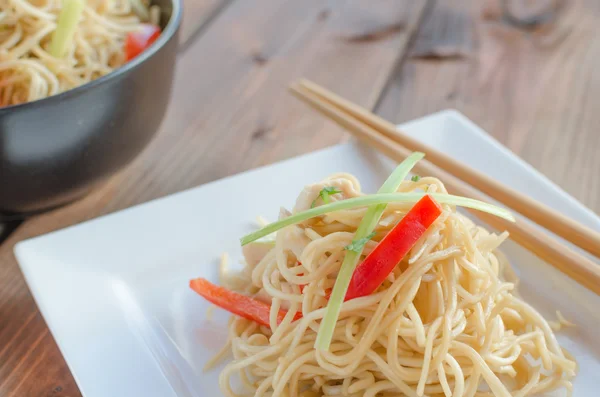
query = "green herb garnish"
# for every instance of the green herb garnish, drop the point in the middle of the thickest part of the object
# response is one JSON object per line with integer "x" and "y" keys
{"x": 358, "y": 245}
{"x": 415, "y": 178}
{"x": 324, "y": 194}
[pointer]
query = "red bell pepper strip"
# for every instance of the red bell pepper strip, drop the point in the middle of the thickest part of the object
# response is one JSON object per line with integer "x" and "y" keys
{"x": 235, "y": 303}
{"x": 136, "y": 42}
{"x": 369, "y": 275}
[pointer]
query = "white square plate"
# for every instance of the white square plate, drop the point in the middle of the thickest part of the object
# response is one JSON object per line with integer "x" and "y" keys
{"x": 114, "y": 290}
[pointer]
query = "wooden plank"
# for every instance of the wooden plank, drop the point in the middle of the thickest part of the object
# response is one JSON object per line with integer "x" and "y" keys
{"x": 536, "y": 92}
{"x": 230, "y": 112}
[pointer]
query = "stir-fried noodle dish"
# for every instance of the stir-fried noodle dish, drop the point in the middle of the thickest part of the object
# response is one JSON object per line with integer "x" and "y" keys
{"x": 389, "y": 294}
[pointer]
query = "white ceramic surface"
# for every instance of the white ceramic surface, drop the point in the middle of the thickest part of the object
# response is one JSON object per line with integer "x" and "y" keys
{"x": 114, "y": 290}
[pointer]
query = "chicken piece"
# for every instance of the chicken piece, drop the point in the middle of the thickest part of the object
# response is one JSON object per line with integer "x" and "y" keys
{"x": 293, "y": 237}
{"x": 256, "y": 250}
{"x": 294, "y": 240}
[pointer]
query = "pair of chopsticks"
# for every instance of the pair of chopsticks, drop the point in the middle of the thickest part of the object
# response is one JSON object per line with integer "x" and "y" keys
{"x": 463, "y": 180}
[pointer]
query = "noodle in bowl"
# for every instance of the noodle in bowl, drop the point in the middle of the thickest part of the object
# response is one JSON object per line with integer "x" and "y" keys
{"x": 446, "y": 322}
{"x": 29, "y": 72}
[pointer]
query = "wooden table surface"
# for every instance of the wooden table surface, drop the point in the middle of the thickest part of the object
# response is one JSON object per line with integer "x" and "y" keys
{"x": 537, "y": 91}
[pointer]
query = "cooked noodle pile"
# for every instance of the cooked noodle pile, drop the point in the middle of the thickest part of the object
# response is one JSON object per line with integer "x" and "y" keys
{"x": 446, "y": 322}
{"x": 27, "y": 70}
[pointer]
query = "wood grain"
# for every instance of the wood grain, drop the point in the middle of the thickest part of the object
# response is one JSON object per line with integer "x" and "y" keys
{"x": 230, "y": 112}
{"x": 536, "y": 92}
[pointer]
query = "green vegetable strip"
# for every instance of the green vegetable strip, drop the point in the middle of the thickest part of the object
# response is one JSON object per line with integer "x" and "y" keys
{"x": 324, "y": 195}
{"x": 376, "y": 199}
{"x": 365, "y": 228}
{"x": 65, "y": 29}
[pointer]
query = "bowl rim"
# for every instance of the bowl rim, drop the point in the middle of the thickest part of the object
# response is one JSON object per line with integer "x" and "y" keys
{"x": 166, "y": 35}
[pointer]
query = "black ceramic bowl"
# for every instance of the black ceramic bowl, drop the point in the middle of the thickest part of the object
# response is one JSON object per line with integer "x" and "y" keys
{"x": 54, "y": 150}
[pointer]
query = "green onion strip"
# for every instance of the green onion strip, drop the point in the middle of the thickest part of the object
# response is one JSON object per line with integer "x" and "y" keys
{"x": 68, "y": 19}
{"x": 376, "y": 199}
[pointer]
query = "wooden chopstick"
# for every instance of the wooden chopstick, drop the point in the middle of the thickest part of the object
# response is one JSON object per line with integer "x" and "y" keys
{"x": 571, "y": 263}
{"x": 536, "y": 211}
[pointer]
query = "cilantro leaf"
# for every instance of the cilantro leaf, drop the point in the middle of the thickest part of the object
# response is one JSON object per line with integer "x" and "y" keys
{"x": 358, "y": 245}
{"x": 415, "y": 178}
{"x": 325, "y": 193}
